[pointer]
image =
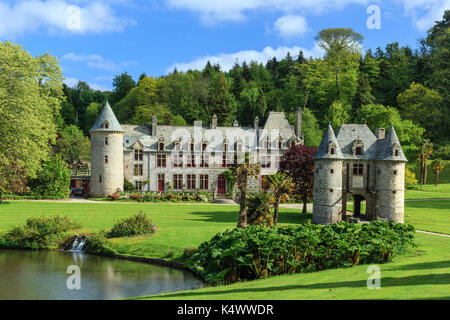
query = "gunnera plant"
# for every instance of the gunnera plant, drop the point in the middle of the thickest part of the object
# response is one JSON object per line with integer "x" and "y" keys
{"x": 138, "y": 224}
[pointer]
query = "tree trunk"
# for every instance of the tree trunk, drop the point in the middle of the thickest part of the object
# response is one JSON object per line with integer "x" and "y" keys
{"x": 305, "y": 203}
{"x": 275, "y": 211}
{"x": 425, "y": 171}
{"x": 421, "y": 170}
{"x": 242, "y": 221}
{"x": 338, "y": 93}
{"x": 436, "y": 177}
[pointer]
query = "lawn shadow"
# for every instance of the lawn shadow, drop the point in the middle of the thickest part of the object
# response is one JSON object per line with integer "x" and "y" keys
{"x": 427, "y": 204}
{"x": 432, "y": 279}
{"x": 285, "y": 217}
{"x": 423, "y": 265}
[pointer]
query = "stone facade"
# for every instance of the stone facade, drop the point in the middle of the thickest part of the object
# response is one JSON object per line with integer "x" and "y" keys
{"x": 159, "y": 157}
{"x": 357, "y": 164}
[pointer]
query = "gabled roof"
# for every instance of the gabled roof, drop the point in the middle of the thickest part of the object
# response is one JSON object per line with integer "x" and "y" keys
{"x": 322, "y": 151}
{"x": 107, "y": 115}
{"x": 385, "y": 147}
{"x": 348, "y": 133}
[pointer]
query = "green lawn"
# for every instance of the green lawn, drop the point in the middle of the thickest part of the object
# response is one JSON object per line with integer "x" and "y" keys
{"x": 429, "y": 191}
{"x": 179, "y": 226}
{"x": 423, "y": 273}
{"x": 429, "y": 215}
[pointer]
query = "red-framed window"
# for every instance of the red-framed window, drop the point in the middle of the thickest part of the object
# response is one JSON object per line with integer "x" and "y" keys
{"x": 178, "y": 181}
{"x": 204, "y": 185}
{"x": 191, "y": 181}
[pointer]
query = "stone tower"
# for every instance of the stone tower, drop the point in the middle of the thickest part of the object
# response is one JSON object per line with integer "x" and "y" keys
{"x": 362, "y": 167}
{"x": 328, "y": 180}
{"x": 390, "y": 179}
{"x": 107, "y": 174}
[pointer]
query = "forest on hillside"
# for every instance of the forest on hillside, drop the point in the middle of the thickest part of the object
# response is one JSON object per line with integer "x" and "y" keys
{"x": 396, "y": 85}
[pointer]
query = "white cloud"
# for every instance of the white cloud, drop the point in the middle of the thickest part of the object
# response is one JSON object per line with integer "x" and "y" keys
{"x": 227, "y": 60}
{"x": 425, "y": 12}
{"x": 219, "y": 10}
{"x": 72, "y": 82}
{"x": 59, "y": 16}
{"x": 97, "y": 61}
{"x": 291, "y": 25}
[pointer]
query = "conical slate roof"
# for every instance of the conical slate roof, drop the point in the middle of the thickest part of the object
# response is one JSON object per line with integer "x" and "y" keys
{"x": 107, "y": 114}
{"x": 385, "y": 147}
{"x": 322, "y": 151}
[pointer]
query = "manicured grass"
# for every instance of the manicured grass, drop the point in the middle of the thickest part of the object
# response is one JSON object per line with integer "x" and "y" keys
{"x": 424, "y": 273}
{"x": 179, "y": 226}
{"x": 429, "y": 191}
{"x": 433, "y": 215}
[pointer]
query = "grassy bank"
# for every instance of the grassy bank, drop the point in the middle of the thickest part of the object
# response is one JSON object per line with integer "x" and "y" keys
{"x": 423, "y": 273}
{"x": 429, "y": 191}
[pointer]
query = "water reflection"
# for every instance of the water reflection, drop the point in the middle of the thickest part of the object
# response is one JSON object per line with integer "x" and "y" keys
{"x": 42, "y": 275}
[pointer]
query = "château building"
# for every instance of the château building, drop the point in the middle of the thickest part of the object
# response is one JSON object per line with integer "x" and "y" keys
{"x": 183, "y": 158}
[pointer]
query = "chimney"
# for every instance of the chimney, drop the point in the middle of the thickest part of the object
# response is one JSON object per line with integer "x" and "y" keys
{"x": 256, "y": 124}
{"x": 298, "y": 127}
{"x": 154, "y": 124}
{"x": 214, "y": 122}
{"x": 380, "y": 133}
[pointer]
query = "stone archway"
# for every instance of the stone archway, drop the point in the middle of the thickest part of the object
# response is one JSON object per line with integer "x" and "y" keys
{"x": 359, "y": 205}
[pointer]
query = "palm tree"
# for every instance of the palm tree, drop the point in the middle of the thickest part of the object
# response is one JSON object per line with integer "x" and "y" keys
{"x": 425, "y": 154}
{"x": 280, "y": 185}
{"x": 242, "y": 172}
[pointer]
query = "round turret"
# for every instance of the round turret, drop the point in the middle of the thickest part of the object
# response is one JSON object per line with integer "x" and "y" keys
{"x": 327, "y": 207}
{"x": 107, "y": 174}
{"x": 390, "y": 186}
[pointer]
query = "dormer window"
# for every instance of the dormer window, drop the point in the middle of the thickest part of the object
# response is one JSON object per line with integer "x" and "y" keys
{"x": 396, "y": 153}
{"x": 106, "y": 125}
{"x": 396, "y": 150}
{"x": 177, "y": 146}
{"x": 160, "y": 146}
{"x": 332, "y": 148}
{"x": 358, "y": 147}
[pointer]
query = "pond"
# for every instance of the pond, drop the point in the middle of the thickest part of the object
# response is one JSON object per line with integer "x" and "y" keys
{"x": 42, "y": 275}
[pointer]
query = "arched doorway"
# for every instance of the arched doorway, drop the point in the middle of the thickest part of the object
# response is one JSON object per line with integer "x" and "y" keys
{"x": 360, "y": 206}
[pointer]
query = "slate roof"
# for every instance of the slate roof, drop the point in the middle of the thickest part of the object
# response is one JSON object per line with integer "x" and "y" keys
{"x": 385, "y": 147}
{"x": 373, "y": 148}
{"x": 143, "y": 133}
{"x": 106, "y": 115}
{"x": 348, "y": 133}
{"x": 322, "y": 151}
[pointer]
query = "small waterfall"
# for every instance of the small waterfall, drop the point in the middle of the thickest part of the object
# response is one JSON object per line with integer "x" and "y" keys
{"x": 78, "y": 244}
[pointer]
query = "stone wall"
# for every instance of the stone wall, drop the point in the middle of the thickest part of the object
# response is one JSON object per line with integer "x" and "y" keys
{"x": 327, "y": 191}
{"x": 111, "y": 173}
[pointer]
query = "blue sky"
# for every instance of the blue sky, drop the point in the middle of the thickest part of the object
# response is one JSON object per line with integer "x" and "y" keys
{"x": 96, "y": 40}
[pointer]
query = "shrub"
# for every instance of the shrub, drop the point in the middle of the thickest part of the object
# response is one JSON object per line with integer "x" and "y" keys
{"x": 127, "y": 185}
{"x": 257, "y": 252}
{"x": 114, "y": 196}
{"x": 52, "y": 181}
{"x": 39, "y": 233}
{"x": 138, "y": 224}
{"x": 258, "y": 210}
{"x": 136, "y": 196}
{"x": 410, "y": 179}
